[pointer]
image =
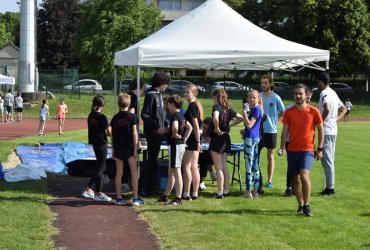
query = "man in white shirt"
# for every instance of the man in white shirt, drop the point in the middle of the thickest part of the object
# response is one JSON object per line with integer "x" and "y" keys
{"x": 9, "y": 103}
{"x": 332, "y": 110}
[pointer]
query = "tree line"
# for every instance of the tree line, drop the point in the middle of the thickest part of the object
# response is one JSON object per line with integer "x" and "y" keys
{"x": 71, "y": 34}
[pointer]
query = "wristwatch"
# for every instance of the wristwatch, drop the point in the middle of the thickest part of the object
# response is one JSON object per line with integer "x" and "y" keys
{"x": 319, "y": 149}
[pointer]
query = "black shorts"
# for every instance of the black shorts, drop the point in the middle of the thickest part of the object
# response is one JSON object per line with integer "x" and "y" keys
{"x": 347, "y": 113}
{"x": 9, "y": 109}
{"x": 19, "y": 110}
{"x": 220, "y": 143}
{"x": 123, "y": 153}
{"x": 191, "y": 144}
{"x": 268, "y": 140}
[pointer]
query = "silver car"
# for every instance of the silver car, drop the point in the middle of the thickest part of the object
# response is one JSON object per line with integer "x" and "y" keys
{"x": 229, "y": 86}
{"x": 85, "y": 84}
{"x": 180, "y": 85}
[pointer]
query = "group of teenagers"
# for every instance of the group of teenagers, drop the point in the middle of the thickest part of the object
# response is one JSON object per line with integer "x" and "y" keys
{"x": 186, "y": 131}
{"x": 10, "y": 103}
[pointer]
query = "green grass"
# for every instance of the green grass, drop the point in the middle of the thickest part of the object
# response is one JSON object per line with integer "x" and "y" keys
{"x": 340, "y": 222}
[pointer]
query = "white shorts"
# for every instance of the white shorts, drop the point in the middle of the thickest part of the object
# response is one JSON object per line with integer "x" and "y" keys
{"x": 175, "y": 153}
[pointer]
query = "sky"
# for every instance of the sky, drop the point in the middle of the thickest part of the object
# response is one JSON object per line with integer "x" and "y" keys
{"x": 11, "y": 5}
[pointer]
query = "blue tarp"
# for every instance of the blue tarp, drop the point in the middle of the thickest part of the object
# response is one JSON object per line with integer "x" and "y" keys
{"x": 53, "y": 157}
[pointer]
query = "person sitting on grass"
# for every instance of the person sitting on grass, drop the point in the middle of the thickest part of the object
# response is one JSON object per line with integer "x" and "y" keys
{"x": 179, "y": 132}
{"x": 125, "y": 142}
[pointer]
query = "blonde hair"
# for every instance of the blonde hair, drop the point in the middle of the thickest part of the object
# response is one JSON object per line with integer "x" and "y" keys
{"x": 124, "y": 100}
{"x": 194, "y": 90}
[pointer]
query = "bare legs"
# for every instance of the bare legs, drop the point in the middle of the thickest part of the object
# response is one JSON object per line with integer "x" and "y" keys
{"x": 302, "y": 184}
{"x": 270, "y": 164}
{"x": 61, "y": 125}
{"x": 42, "y": 127}
{"x": 223, "y": 176}
{"x": 174, "y": 177}
{"x": 191, "y": 171}
{"x": 134, "y": 176}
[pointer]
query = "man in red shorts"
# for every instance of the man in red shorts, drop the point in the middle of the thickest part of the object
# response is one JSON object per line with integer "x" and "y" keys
{"x": 300, "y": 121}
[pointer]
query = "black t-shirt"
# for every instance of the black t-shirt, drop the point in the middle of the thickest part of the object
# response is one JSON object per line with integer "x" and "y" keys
{"x": 133, "y": 103}
{"x": 179, "y": 117}
{"x": 193, "y": 112}
{"x": 122, "y": 133}
{"x": 97, "y": 123}
{"x": 224, "y": 117}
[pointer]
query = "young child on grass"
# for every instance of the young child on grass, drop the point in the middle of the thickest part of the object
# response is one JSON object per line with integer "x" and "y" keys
{"x": 125, "y": 141}
{"x": 179, "y": 132}
{"x": 98, "y": 129}
{"x": 252, "y": 121}
{"x": 44, "y": 113}
{"x": 62, "y": 110}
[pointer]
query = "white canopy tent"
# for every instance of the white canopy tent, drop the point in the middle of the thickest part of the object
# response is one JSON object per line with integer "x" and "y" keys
{"x": 215, "y": 37}
{"x": 7, "y": 80}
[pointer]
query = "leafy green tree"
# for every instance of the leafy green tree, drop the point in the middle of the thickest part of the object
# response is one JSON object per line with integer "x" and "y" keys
{"x": 109, "y": 26}
{"x": 56, "y": 31}
{"x": 341, "y": 26}
{"x": 9, "y": 28}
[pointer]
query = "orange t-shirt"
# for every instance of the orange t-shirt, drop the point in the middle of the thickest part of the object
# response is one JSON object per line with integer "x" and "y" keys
{"x": 302, "y": 127}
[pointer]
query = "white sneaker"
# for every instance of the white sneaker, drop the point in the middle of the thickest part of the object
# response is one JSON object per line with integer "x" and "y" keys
{"x": 125, "y": 188}
{"x": 202, "y": 186}
{"x": 88, "y": 194}
{"x": 102, "y": 197}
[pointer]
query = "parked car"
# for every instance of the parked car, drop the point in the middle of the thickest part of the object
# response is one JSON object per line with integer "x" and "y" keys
{"x": 338, "y": 87}
{"x": 85, "y": 84}
{"x": 281, "y": 86}
{"x": 125, "y": 84}
{"x": 180, "y": 85}
{"x": 229, "y": 86}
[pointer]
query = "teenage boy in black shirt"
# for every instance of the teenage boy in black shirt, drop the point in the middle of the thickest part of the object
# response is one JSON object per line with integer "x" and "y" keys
{"x": 153, "y": 115}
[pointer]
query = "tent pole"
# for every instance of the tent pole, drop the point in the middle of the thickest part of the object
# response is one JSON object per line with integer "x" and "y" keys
{"x": 115, "y": 90}
{"x": 138, "y": 89}
{"x": 137, "y": 111}
{"x": 327, "y": 65}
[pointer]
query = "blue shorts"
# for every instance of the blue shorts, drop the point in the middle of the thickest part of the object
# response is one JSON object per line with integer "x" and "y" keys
{"x": 299, "y": 160}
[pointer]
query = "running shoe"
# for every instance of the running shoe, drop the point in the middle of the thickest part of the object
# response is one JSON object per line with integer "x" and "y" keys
{"x": 216, "y": 196}
{"x": 269, "y": 184}
{"x": 88, "y": 194}
{"x": 187, "y": 198}
{"x": 137, "y": 202}
{"x": 202, "y": 186}
{"x": 102, "y": 197}
{"x": 163, "y": 198}
{"x": 248, "y": 195}
{"x": 300, "y": 209}
{"x": 307, "y": 211}
{"x": 175, "y": 202}
{"x": 120, "y": 202}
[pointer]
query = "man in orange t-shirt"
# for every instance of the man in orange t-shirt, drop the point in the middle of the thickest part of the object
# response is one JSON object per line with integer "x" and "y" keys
{"x": 300, "y": 121}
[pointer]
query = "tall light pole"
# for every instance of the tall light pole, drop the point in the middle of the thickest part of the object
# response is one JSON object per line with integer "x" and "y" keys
{"x": 26, "y": 65}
